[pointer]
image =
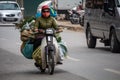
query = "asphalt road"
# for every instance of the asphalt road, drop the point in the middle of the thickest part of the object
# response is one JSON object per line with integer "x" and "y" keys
{"x": 82, "y": 63}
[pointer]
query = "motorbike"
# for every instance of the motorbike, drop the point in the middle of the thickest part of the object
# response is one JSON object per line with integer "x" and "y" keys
{"x": 74, "y": 17}
{"x": 49, "y": 51}
{"x": 81, "y": 17}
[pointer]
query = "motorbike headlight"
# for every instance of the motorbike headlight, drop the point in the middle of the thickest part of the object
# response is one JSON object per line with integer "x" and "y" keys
{"x": 49, "y": 31}
{"x": 19, "y": 14}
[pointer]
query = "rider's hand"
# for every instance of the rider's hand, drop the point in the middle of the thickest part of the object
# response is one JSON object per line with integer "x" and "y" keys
{"x": 36, "y": 30}
{"x": 41, "y": 30}
{"x": 60, "y": 29}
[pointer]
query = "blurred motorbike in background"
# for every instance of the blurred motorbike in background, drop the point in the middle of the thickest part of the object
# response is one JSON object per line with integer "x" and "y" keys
{"x": 76, "y": 16}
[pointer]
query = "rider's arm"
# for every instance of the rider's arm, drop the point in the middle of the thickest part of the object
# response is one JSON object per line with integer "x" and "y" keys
{"x": 36, "y": 24}
{"x": 55, "y": 26}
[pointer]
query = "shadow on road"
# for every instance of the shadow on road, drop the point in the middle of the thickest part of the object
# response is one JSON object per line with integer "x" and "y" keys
{"x": 15, "y": 67}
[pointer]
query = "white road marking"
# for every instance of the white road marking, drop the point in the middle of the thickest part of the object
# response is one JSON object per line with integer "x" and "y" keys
{"x": 74, "y": 59}
{"x": 113, "y": 71}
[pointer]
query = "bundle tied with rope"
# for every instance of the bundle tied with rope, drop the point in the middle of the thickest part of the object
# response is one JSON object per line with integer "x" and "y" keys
{"x": 26, "y": 36}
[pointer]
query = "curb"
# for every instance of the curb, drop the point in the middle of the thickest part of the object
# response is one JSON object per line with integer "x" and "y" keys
{"x": 72, "y": 28}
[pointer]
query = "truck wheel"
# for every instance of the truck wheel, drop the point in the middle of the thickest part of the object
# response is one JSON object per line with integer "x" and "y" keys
{"x": 91, "y": 40}
{"x": 114, "y": 44}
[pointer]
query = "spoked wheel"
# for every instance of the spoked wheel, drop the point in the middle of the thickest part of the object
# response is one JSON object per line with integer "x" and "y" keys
{"x": 51, "y": 63}
{"x": 73, "y": 20}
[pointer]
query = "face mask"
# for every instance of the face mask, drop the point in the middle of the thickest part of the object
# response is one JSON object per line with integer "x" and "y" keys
{"x": 46, "y": 13}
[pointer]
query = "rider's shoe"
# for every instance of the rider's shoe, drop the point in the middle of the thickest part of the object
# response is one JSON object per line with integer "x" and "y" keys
{"x": 37, "y": 65}
{"x": 59, "y": 62}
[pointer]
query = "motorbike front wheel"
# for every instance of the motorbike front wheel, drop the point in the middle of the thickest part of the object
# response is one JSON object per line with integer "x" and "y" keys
{"x": 51, "y": 62}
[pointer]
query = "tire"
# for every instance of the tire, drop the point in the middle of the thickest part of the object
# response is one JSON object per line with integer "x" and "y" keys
{"x": 72, "y": 21}
{"x": 114, "y": 44}
{"x": 51, "y": 63}
{"x": 91, "y": 40}
{"x": 67, "y": 16}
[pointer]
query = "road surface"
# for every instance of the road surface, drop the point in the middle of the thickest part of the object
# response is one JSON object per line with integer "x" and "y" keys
{"x": 82, "y": 63}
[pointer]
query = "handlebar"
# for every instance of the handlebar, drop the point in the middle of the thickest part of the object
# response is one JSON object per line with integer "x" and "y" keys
{"x": 43, "y": 31}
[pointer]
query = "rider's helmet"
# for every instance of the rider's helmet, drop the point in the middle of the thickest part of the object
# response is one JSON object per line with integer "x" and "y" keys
{"x": 45, "y": 11}
{"x": 45, "y": 7}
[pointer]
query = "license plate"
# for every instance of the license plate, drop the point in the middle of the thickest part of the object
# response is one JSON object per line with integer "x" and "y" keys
{"x": 9, "y": 19}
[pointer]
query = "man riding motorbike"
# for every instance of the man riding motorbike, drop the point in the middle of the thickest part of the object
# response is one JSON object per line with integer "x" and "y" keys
{"x": 42, "y": 23}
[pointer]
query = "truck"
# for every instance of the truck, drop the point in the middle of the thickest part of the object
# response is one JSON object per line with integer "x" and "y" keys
{"x": 102, "y": 21}
{"x": 62, "y": 6}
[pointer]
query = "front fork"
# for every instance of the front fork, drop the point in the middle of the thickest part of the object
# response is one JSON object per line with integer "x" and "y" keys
{"x": 49, "y": 48}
